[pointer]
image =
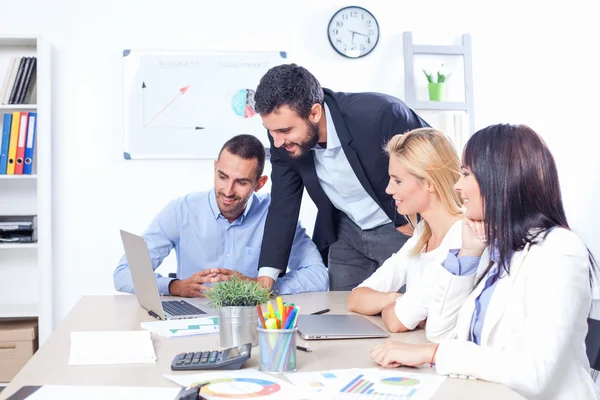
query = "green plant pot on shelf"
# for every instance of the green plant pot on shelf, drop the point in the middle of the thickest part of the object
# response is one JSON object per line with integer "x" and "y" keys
{"x": 437, "y": 91}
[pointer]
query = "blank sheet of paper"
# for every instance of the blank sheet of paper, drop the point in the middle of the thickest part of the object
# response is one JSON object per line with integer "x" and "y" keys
{"x": 103, "y": 392}
{"x": 101, "y": 348}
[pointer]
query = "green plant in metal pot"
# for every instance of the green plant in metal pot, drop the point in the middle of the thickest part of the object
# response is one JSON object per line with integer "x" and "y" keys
{"x": 238, "y": 292}
{"x": 237, "y": 299}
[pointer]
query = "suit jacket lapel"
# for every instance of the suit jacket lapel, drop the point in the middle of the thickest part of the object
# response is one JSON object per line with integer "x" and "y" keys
{"x": 311, "y": 181}
{"x": 463, "y": 324}
{"x": 501, "y": 294}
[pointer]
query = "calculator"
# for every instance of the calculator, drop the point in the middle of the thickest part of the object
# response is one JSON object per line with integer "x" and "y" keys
{"x": 231, "y": 358}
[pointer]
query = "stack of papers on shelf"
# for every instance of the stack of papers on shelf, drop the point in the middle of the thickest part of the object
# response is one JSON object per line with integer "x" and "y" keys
{"x": 15, "y": 225}
{"x": 183, "y": 327}
{"x": 100, "y": 348}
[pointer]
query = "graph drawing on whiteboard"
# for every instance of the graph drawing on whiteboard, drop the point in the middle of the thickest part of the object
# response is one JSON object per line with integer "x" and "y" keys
{"x": 243, "y": 103}
{"x": 187, "y": 104}
{"x": 150, "y": 123}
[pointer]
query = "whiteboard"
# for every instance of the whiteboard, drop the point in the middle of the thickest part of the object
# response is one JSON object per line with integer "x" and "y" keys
{"x": 186, "y": 105}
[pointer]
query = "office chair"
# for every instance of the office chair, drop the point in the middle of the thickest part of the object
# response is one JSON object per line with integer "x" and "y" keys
{"x": 592, "y": 345}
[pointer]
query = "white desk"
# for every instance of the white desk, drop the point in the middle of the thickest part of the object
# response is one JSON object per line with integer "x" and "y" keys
{"x": 50, "y": 365}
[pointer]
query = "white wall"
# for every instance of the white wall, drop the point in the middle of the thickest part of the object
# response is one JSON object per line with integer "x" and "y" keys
{"x": 533, "y": 63}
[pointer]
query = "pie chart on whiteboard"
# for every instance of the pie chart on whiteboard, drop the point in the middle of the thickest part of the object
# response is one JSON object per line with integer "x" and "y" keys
{"x": 243, "y": 103}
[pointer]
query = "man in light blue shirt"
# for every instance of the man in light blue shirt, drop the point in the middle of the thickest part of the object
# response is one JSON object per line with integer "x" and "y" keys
{"x": 218, "y": 233}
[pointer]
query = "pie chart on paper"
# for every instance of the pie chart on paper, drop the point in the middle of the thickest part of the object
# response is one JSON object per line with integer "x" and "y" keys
{"x": 243, "y": 103}
{"x": 238, "y": 388}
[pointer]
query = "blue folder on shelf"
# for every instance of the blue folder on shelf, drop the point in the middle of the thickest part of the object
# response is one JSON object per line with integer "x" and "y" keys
{"x": 32, "y": 128}
{"x": 4, "y": 142}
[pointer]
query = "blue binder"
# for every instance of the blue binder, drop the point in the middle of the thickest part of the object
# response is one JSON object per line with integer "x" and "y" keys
{"x": 31, "y": 130}
{"x": 4, "y": 140}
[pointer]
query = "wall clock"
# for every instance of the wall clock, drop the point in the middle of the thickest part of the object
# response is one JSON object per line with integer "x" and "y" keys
{"x": 353, "y": 32}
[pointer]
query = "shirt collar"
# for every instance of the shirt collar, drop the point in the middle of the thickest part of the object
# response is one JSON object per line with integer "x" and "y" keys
{"x": 495, "y": 257}
{"x": 248, "y": 206}
{"x": 333, "y": 141}
{"x": 214, "y": 208}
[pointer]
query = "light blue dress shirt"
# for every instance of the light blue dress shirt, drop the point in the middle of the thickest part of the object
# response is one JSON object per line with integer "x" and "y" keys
{"x": 203, "y": 238}
{"x": 342, "y": 187}
{"x": 462, "y": 266}
{"x": 341, "y": 184}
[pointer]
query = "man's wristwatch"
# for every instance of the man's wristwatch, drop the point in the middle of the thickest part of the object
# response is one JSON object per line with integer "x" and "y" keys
{"x": 170, "y": 283}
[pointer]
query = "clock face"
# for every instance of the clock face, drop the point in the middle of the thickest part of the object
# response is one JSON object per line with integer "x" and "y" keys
{"x": 353, "y": 32}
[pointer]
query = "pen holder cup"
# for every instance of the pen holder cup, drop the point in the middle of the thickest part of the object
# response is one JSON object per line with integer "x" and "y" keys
{"x": 277, "y": 350}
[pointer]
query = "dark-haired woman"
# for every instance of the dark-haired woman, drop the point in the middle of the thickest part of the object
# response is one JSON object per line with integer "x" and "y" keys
{"x": 511, "y": 305}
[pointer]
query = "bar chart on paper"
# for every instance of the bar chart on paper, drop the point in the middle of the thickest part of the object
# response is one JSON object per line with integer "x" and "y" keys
{"x": 321, "y": 384}
{"x": 384, "y": 385}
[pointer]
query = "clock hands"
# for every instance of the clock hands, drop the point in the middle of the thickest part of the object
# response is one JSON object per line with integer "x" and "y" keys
{"x": 357, "y": 33}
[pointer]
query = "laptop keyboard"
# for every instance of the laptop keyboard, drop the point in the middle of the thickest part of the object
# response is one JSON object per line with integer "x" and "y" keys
{"x": 180, "y": 307}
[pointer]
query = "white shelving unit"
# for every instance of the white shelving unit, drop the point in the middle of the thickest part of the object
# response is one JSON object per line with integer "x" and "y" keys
{"x": 18, "y": 107}
{"x": 17, "y": 177}
{"x": 5, "y": 246}
{"x": 451, "y": 109}
{"x": 19, "y": 310}
{"x": 26, "y": 268}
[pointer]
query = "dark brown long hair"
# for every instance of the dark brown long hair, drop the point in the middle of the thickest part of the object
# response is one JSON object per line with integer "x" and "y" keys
{"x": 519, "y": 186}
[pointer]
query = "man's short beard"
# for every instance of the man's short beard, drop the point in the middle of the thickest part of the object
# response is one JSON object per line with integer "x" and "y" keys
{"x": 311, "y": 142}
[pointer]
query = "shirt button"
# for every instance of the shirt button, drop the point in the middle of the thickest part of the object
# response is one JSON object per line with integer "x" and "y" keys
{"x": 277, "y": 291}
{"x": 227, "y": 254}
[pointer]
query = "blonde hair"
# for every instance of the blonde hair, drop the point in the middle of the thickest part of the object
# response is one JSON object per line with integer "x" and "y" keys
{"x": 429, "y": 155}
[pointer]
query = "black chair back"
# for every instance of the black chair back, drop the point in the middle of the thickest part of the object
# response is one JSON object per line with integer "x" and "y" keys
{"x": 592, "y": 343}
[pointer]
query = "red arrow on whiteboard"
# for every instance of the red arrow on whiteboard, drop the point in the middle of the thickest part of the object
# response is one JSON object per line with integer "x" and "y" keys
{"x": 182, "y": 91}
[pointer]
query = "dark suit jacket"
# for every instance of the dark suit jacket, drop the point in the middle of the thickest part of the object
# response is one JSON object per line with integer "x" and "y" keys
{"x": 364, "y": 123}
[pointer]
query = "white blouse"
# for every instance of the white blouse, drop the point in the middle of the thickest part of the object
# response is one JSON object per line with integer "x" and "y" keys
{"x": 402, "y": 269}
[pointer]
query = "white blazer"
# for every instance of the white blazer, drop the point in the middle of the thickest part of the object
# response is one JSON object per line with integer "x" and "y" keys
{"x": 533, "y": 335}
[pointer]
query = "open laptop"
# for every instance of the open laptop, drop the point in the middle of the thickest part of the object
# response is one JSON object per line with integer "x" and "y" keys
{"x": 146, "y": 289}
{"x": 333, "y": 326}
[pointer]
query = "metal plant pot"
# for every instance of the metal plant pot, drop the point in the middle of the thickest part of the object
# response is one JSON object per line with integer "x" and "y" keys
{"x": 237, "y": 325}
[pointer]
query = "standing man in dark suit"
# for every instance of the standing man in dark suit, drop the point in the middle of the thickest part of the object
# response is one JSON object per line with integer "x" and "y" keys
{"x": 332, "y": 144}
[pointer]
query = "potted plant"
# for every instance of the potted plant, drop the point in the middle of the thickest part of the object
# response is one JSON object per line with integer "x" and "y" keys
{"x": 237, "y": 299}
{"x": 437, "y": 87}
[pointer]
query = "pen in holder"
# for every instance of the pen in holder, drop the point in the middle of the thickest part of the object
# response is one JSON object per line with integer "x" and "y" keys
{"x": 277, "y": 337}
{"x": 277, "y": 350}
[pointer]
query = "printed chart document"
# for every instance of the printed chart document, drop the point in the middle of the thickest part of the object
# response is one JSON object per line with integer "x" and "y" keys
{"x": 120, "y": 347}
{"x": 320, "y": 384}
{"x": 183, "y": 327}
{"x": 388, "y": 384}
{"x": 241, "y": 384}
{"x": 365, "y": 384}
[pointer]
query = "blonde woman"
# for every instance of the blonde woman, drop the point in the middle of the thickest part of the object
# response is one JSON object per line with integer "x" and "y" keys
{"x": 423, "y": 169}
